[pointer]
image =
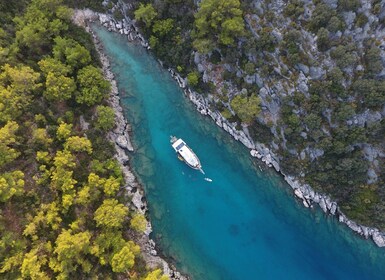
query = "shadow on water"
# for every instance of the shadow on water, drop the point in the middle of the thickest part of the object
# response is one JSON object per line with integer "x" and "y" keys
{"x": 245, "y": 224}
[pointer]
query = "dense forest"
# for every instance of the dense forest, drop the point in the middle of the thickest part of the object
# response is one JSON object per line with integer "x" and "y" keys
{"x": 305, "y": 77}
{"x": 63, "y": 210}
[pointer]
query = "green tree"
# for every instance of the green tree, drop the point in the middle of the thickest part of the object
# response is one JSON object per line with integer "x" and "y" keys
{"x": 7, "y": 140}
{"x": 373, "y": 61}
{"x": 32, "y": 265}
{"x": 163, "y": 27}
{"x": 335, "y": 24}
{"x": 323, "y": 41}
{"x": 321, "y": 16}
{"x": 125, "y": 259}
{"x": 64, "y": 131}
{"x": 111, "y": 214}
{"x": 40, "y": 137}
{"x": 59, "y": 88}
{"x": 71, "y": 250}
{"x": 105, "y": 118}
{"x": 71, "y": 52}
{"x": 19, "y": 84}
{"x": 52, "y": 65}
{"x": 344, "y": 56}
{"x": 138, "y": 222}
{"x": 11, "y": 184}
{"x": 146, "y": 13}
{"x": 78, "y": 144}
{"x": 348, "y": 5}
{"x": 193, "y": 78}
{"x": 294, "y": 9}
{"x": 247, "y": 108}
{"x": 111, "y": 186}
{"x": 93, "y": 86}
{"x": 47, "y": 216}
{"x": 42, "y": 21}
{"x": 106, "y": 244}
{"x": 91, "y": 191}
{"x": 61, "y": 178}
{"x": 156, "y": 275}
{"x": 217, "y": 22}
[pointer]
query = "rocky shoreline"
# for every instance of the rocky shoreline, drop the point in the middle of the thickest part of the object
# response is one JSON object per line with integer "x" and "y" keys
{"x": 260, "y": 151}
{"x": 121, "y": 139}
{"x": 303, "y": 192}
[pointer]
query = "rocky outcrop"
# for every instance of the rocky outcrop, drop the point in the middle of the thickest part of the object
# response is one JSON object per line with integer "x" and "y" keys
{"x": 121, "y": 139}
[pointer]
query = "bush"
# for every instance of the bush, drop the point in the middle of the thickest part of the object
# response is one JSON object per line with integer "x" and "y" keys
{"x": 348, "y": 5}
{"x": 323, "y": 41}
{"x": 193, "y": 78}
{"x": 294, "y": 9}
{"x": 344, "y": 56}
{"x": 105, "y": 118}
{"x": 321, "y": 17}
{"x": 361, "y": 20}
{"x": 373, "y": 61}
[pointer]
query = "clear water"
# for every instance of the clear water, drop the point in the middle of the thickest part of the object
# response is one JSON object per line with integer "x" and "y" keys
{"x": 243, "y": 225}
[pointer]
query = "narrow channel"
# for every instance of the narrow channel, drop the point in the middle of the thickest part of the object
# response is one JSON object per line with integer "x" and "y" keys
{"x": 245, "y": 224}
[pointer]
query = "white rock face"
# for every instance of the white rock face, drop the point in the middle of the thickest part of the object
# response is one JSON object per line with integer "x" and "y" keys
{"x": 124, "y": 142}
{"x": 254, "y": 153}
{"x": 379, "y": 239}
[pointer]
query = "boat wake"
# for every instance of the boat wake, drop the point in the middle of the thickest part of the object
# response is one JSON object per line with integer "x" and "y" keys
{"x": 201, "y": 170}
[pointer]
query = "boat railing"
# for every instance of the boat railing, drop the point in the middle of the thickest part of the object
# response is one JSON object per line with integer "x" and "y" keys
{"x": 173, "y": 139}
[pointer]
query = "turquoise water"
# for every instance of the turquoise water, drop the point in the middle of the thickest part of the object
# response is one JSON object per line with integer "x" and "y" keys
{"x": 243, "y": 225}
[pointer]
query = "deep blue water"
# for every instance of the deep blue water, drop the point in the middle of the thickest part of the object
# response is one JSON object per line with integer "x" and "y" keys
{"x": 246, "y": 223}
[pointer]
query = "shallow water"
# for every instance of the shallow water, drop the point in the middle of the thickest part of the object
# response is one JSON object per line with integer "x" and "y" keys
{"x": 245, "y": 224}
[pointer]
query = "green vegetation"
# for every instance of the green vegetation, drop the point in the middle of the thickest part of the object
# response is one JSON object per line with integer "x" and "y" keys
{"x": 63, "y": 210}
{"x": 318, "y": 132}
{"x": 193, "y": 78}
{"x": 146, "y": 13}
{"x": 217, "y": 23}
{"x": 247, "y": 108}
{"x": 105, "y": 118}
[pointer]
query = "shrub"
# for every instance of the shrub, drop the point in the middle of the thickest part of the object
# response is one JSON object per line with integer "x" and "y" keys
{"x": 105, "y": 118}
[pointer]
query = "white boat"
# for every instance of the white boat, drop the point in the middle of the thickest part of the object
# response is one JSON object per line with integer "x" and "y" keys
{"x": 185, "y": 153}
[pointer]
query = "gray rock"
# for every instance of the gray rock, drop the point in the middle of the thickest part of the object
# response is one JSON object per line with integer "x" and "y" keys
{"x": 302, "y": 155}
{"x": 349, "y": 18}
{"x": 303, "y": 68}
{"x": 352, "y": 225}
{"x": 331, "y": 3}
{"x": 379, "y": 239}
{"x": 83, "y": 124}
{"x": 124, "y": 142}
{"x": 372, "y": 176}
{"x": 137, "y": 201}
{"x": 302, "y": 87}
{"x": 298, "y": 193}
{"x": 249, "y": 79}
{"x": 333, "y": 208}
{"x": 315, "y": 153}
{"x": 316, "y": 73}
{"x": 322, "y": 204}
{"x": 254, "y": 153}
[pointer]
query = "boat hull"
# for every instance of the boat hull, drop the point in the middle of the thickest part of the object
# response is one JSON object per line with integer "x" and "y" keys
{"x": 185, "y": 153}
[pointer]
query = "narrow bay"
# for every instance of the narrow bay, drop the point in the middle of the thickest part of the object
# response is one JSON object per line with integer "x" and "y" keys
{"x": 243, "y": 225}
